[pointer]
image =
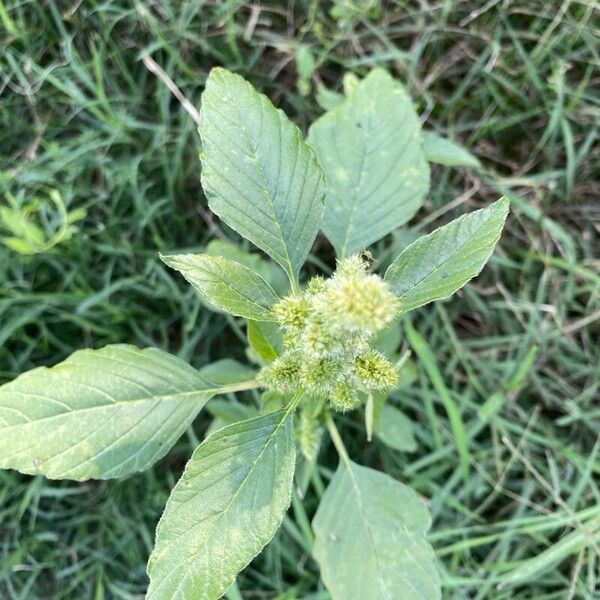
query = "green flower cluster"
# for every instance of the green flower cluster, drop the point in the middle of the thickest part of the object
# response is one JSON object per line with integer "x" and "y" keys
{"x": 327, "y": 333}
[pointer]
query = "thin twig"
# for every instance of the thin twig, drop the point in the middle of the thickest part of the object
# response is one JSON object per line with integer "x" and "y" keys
{"x": 155, "y": 68}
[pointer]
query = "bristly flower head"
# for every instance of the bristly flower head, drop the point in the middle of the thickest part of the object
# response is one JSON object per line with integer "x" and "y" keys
{"x": 327, "y": 333}
{"x": 355, "y": 300}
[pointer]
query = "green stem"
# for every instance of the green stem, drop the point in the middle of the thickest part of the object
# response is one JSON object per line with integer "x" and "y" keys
{"x": 238, "y": 387}
{"x": 336, "y": 438}
{"x": 295, "y": 401}
{"x": 295, "y": 285}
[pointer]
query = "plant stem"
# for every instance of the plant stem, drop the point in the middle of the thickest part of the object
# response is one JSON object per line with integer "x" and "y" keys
{"x": 337, "y": 439}
{"x": 294, "y": 401}
{"x": 251, "y": 384}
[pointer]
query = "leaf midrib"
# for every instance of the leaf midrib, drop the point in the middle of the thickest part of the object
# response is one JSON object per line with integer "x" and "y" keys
{"x": 438, "y": 267}
{"x": 220, "y": 277}
{"x": 258, "y": 99}
{"x": 118, "y": 402}
{"x": 355, "y": 485}
{"x": 225, "y": 509}
{"x": 382, "y": 583}
{"x": 357, "y": 187}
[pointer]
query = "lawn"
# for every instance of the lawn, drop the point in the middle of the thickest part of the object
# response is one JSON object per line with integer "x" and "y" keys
{"x": 99, "y": 172}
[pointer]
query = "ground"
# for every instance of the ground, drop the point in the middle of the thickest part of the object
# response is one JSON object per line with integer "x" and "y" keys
{"x": 87, "y": 127}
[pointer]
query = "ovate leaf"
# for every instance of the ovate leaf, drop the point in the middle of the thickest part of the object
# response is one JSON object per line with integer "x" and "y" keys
{"x": 305, "y": 66}
{"x": 267, "y": 269}
{"x": 271, "y": 400}
{"x": 227, "y": 505}
{"x": 438, "y": 264}
{"x": 388, "y": 340}
{"x": 446, "y": 152}
{"x": 259, "y": 175}
{"x": 370, "y": 148}
{"x": 394, "y": 429}
{"x": 370, "y": 539}
{"x": 99, "y": 414}
{"x": 226, "y": 371}
{"x": 350, "y": 82}
{"x": 265, "y": 340}
{"x": 226, "y": 284}
{"x": 230, "y": 411}
{"x": 227, "y": 411}
{"x": 328, "y": 99}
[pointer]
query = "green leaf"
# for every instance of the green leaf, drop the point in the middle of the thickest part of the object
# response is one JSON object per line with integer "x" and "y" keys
{"x": 408, "y": 375}
{"x": 271, "y": 400}
{"x": 227, "y": 370}
{"x": 267, "y": 269}
{"x": 265, "y": 341}
{"x": 328, "y": 99}
{"x": 18, "y": 245}
{"x": 259, "y": 175}
{"x": 370, "y": 539}
{"x": 350, "y": 82}
{"x": 395, "y": 429}
{"x": 388, "y": 340}
{"x": 370, "y": 149}
{"x": 446, "y": 152}
{"x": 227, "y": 411}
{"x": 99, "y": 414}
{"x": 226, "y": 285}
{"x": 438, "y": 264}
{"x": 305, "y": 65}
{"x": 230, "y": 411}
{"x": 226, "y": 507}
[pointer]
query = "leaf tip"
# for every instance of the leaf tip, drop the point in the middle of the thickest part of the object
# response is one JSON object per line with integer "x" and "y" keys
{"x": 168, "y": 259}
{"x": 504, "y": 203}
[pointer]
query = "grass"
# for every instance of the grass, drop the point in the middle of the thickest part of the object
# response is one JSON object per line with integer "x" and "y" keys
{"x": 514, "y": 358}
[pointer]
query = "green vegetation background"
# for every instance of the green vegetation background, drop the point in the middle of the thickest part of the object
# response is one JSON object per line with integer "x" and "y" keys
{"x": 83, "y": 120}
